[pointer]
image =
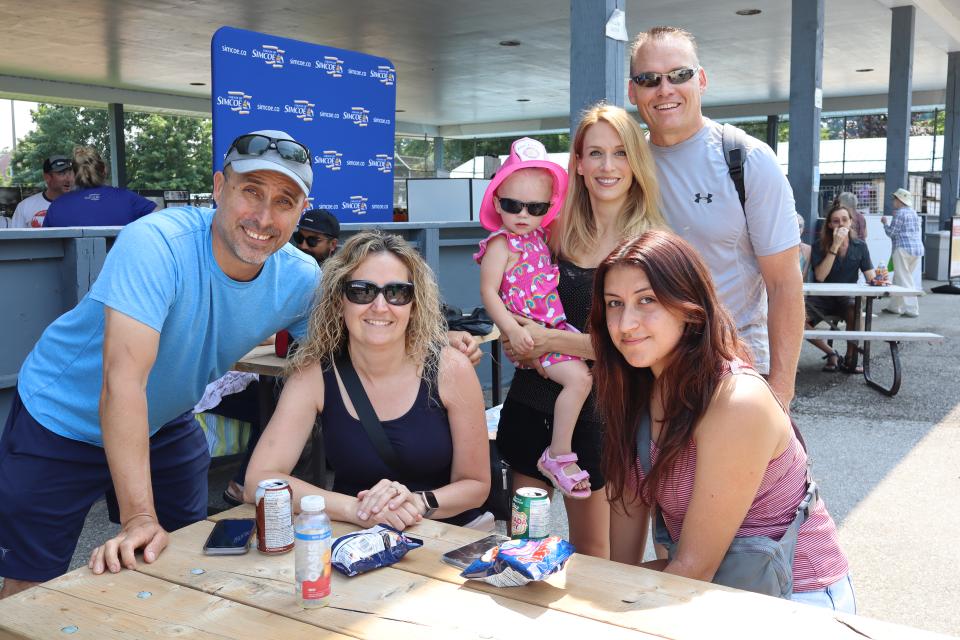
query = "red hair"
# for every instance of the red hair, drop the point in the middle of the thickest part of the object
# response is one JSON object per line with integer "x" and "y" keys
{"x": 683, "y": 285}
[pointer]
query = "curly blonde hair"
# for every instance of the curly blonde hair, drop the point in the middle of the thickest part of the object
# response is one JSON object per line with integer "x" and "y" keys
{"x": 327, "y": 334}
{"x": 575, "y": 227}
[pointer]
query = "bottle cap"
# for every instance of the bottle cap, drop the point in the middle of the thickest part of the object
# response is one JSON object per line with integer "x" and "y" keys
{"x": 312, "y": 503}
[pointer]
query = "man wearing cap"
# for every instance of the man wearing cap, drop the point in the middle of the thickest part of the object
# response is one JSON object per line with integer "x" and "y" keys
{"x": 104, "y": 399}
{"x": 907, "y": 240}
{"x": 751, "y": 249}
{"x": 317, "y": 234}
{"x": 58, "y": 174}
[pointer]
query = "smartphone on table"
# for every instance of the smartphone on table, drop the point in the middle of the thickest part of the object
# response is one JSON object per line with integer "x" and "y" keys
{"x": 230, "y": 537}
{"x": 462, "y": 557}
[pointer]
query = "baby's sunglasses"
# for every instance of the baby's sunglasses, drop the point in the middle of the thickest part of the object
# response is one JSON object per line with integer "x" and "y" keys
{"x": 651, "y": 79}
{"x": 509, "y": 205}
{"x": 364, "y": 292}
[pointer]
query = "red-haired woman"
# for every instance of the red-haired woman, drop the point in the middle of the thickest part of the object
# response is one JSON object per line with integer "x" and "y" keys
{"x": 721, "y": 456}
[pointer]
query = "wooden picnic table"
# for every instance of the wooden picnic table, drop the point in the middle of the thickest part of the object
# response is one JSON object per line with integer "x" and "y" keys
{"x": 188, "y": 594}
{"x": 864, "y": 295}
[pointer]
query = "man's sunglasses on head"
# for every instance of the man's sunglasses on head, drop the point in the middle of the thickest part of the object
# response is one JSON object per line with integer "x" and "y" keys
{"x": 312, "y": 241}
{"x": 509, "y": 205}
{"x": 257, "y": 144}
{"x": 651, "y": 79}
{"x": 364, "y": 292}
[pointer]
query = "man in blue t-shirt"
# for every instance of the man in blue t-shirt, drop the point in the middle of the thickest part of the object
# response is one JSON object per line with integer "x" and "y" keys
{"x": 104, "y": 399}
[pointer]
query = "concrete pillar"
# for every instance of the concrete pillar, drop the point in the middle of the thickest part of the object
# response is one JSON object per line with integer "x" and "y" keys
{"x": 597, "y": 62}
{"x": 773, "y": 131}
{"x": 898, "y": 104}
{"x": 806, "y": 100}
{"x": 437, "y": 156}
{"x": 951, "y": 142}
{"x": 118, "y": 146}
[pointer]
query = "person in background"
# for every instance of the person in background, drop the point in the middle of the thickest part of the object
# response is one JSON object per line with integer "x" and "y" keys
{"x": 838, "y": 256}
{"x": 378, "y": 311}
{"x": 849, "y": 201}
{"x": 317, "y": 234}
{"x": 804, "y": 250}
{"x": 58, "y": 175}
{"x": 724, "y": 459}
{"x": 104, "y": 398}
{"x": 750, "y": 249}
{"x": 907, "y": 238}
{"x": 612, "y": 194}
{"x": 95, "y": 203}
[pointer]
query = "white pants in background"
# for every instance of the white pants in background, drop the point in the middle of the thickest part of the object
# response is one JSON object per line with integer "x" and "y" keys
{"x": 904, "y": 265}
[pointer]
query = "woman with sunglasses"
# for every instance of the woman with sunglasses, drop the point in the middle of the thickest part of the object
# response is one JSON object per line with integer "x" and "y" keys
{"x": 518, "y": 277}
{"x": 695, "y": 434}
{"x": 612, "y": 194}
{"x": 379, "y": 309}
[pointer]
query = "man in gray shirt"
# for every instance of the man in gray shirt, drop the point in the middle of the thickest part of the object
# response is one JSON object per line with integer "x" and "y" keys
{"x": 751, "y": 250}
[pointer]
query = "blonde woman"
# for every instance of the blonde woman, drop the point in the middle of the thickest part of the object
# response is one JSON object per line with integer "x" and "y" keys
{"x": 612, "y": 194}
{"x": 94, "y": 203}
{"x": 379, "y": 303}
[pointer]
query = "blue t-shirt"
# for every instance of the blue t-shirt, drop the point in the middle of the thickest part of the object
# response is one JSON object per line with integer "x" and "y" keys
{"x": 97, "y": 207}
{"x": 161, "y": 272}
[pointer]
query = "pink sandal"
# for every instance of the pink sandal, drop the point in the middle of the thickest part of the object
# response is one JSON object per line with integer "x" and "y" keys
{"x": 552, "y": 468}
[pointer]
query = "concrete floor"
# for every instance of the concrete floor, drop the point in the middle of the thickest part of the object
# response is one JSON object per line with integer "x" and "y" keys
{"x": 887, "y": 467}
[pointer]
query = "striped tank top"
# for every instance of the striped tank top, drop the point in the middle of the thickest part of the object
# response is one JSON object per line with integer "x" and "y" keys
{"x": 818, "y": 561}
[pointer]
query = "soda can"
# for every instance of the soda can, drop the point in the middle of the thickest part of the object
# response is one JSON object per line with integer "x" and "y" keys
{"x": 274, "y": 500}
{"x": 531, "y": 514}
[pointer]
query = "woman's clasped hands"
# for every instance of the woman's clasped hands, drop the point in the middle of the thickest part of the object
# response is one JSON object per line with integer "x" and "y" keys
{"x": 389, "y": 502}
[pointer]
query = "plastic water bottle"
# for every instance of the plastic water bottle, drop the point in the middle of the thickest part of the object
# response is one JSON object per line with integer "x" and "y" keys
{"x": 312, "y": 540}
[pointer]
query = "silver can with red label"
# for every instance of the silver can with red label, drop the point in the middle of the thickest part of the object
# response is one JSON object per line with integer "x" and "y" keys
{"x": 274, "y": 499}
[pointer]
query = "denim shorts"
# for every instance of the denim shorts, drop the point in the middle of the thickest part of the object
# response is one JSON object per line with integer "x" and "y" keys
{"x": 48, "y": 484}
{"x": 838, "y": 596}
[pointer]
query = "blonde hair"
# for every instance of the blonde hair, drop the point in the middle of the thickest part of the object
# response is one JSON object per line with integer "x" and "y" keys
{"x": 91, "y": 170}
{"x": 662, "y": 33}
{"x": 575, "y": 228}
{"x": 327, "y": 334}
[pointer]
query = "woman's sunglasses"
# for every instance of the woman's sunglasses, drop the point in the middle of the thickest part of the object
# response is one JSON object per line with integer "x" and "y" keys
{"x": 312, "y": 241}
{"x": 364, "y": 292}
{"x": 509, "y": 205}
{"x": 256, "y": 144}
{"x": 651, "y": 79}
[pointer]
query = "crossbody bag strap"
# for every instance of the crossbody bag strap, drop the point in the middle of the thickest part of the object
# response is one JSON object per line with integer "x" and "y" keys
{"x": 644, "y": 437}
{"x": 368, "y": 417}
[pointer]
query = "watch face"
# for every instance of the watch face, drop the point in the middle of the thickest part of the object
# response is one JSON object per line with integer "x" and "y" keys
{"x": 430, "y": 500}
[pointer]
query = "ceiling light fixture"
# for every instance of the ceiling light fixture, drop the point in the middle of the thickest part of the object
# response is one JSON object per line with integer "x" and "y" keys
{"x": 748, "y": 12}
{"x": 510, "y": 43}
{"x": 865, "y": 70}
{"x": 523, "y": 99}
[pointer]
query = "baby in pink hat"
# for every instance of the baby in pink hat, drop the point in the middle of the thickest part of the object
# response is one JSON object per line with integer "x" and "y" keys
{"x": 518, "y": 277}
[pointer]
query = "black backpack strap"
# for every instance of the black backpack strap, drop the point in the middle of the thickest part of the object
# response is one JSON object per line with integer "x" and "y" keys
{"x": 734, "y": 152}
{"x": 368, "y": 417}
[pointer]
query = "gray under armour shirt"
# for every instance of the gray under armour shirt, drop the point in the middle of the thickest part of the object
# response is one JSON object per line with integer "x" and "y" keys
{"x": 700, "y": 204}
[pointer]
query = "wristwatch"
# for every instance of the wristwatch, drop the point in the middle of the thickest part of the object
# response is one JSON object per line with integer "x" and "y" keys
{"x": 429, "y": 502}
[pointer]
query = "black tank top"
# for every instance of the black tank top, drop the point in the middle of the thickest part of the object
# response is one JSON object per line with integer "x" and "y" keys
{"x": 421, "y": 437}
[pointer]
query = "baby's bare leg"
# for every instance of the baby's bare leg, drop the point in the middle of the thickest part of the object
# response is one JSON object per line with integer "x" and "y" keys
{"x": 575, "y": 378}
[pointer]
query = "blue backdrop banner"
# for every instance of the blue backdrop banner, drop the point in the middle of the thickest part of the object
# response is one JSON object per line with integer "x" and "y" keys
{"x": 340, "y": 104}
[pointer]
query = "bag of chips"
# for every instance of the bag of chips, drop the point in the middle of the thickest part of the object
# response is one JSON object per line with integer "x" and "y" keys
{"x": 362, "y": 551}
{"x": 517, "y": 562}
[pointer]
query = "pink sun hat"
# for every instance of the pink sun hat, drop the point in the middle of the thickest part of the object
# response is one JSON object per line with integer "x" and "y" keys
{"x": 525, "y": 153}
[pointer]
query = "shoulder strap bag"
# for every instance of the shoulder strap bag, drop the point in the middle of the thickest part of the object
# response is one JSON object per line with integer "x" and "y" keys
{"x": 752, "y": 563}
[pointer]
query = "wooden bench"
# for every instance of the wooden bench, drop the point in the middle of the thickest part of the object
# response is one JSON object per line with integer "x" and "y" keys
{"x": 893, "y": 338}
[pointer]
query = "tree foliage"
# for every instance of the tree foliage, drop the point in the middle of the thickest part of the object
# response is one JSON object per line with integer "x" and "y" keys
{"x": 163, "y": 152}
